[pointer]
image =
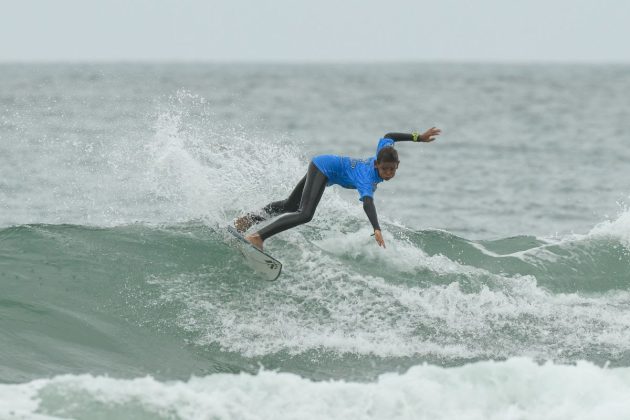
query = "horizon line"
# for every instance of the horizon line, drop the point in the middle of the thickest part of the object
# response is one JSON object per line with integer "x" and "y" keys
{"x": 311, "y": 61}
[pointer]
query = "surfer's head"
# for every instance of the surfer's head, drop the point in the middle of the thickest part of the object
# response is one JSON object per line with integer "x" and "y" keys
{"x": 387, "y": 163}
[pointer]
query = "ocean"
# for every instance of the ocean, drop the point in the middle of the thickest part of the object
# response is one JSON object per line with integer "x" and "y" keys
{"x": 503, "y": 293}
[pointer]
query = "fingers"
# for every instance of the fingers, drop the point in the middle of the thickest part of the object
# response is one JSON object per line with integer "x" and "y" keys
{"x": 428, "y": 135}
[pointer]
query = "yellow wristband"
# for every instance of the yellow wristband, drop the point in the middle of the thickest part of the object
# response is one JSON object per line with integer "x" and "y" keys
{"x": 415, "y": 135}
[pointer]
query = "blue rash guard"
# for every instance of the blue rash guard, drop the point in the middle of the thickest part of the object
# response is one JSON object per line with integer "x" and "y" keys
{"x": 359, "y": 174}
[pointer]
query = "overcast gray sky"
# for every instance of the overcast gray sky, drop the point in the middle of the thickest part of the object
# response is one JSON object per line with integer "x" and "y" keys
{"x": 321, "y": 30}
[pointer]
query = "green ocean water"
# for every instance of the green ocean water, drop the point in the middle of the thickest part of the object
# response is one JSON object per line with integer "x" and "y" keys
{"x": 171, "y": 301}
{"x": 506, "y": 269}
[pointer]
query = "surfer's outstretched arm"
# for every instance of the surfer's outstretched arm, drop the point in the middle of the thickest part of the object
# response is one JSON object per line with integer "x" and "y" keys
{"x": 426, "y": 137}
{"x": 370, "y": 210}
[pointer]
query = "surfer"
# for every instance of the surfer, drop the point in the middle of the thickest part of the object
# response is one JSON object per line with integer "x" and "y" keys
{"x": 324, "y": 170}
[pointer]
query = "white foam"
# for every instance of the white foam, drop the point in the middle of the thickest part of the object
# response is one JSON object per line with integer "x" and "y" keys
{"x": 618, "y": 228}
{"x": 515, "y": 389}
{"x": 323, "y": 302}
{"x": 202, "y": 169}
{"x": 398, "y": 255}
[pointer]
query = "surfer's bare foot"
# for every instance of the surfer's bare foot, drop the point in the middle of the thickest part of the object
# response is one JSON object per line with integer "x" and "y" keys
{"x": 255, "y": 240}
{"x": 243, "y": 223}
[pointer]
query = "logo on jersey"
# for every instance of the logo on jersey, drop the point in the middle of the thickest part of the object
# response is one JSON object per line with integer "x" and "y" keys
{"x": 354, "y": 162}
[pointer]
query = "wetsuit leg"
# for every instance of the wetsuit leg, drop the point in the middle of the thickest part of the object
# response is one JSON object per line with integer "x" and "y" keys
{"x": 311, "y": 194}
{"x": 290, "y": 204}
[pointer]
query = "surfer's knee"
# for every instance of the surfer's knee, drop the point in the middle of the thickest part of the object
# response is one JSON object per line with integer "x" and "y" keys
{"x": 306, "y": 216}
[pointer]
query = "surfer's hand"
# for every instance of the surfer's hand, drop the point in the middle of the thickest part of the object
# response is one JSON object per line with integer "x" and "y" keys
{"x": 379, "y": 238}
{"x": 429, "y": 135}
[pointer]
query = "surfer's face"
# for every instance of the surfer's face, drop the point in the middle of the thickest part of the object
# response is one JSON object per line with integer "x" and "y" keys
{"x": 386, "y": 170}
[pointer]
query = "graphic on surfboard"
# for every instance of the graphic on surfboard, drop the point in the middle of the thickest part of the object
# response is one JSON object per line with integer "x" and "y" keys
{"x": 261, "y": 262}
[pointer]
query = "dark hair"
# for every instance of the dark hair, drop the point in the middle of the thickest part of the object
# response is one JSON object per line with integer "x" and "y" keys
{"x": 387, "y": 154}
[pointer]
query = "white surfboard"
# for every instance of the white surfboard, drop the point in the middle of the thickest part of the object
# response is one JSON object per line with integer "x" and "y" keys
{"x": 261, "y": 262}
